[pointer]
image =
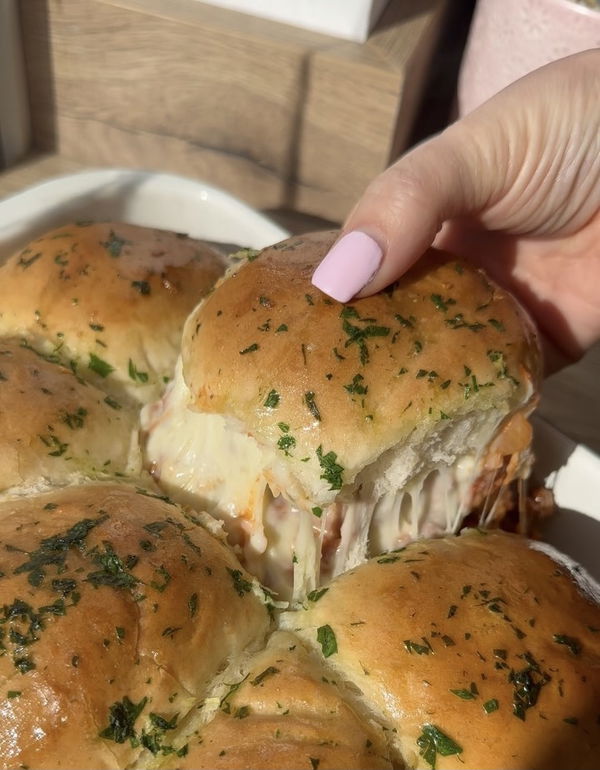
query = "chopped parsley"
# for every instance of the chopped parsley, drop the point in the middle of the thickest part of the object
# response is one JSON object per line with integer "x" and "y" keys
{"x": 527, "y": 684}
{"x": 135, "y": 374}
{"x": 332, "y": 470}
{"x": 26, "y": 262}
{"x": 458, "y": 322}
{"x": 286, "y": 443}
{"x": 497, "y": 358}
{"x": 142, "y": 286}
{"x": 433, "y": 742}
{"x": 114, "y": 244}
{"x": 358, "y": 336}
{"x": 53, "y": 550}
{"x": 326, "y": 638}
{"x": 309, "y": 399}
{"x": 98, "y": 365}
{"x": 165, "y": 576}
{"x": 270, "y": 671}
{"x": 240, "y": 584}
{"x": 75, "y": 419}
{"x": 170, "y": 631}
{"x": 419, "y": 649}
{"x": 573, "y": 645}
{"x": 314, "y": 596}
{"x": 442, "y": 304}
{"x": 317, "y": 511}
{"x": 491, "y": 705}
{"x": 56, "y": 446}
{"x": 193, "y": 604}
{"x": 281, "y": 328}
{"x": 431, "y": 375}
{"x": 250, "y": 349}
{"x": 249, "y": 254}
{"x": 408, "y": 323}
{"x": 112, "y": 570}
{"x": 162, "y": 723}
{"x": 272, "y": 400}
{"x": 122, "y": 716}
{"x": 465, "y": 694}
{"x": 356, "y": 386}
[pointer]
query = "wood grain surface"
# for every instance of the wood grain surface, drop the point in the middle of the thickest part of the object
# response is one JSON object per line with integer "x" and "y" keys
{"x": 279, "y": 116}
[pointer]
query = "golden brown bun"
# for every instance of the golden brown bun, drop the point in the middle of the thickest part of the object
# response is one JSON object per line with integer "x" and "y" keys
{"x": 109, "y": 299}
{"x": 293, "y": 717}
{"x": 55, "y": 426}
{"x": 448, "y": 630}
{"x": 357, "y": 379}
{"x": 114, "y": 602}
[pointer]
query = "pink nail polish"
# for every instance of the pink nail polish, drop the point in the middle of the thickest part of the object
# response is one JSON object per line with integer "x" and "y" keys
{"x": 348, "y": 266}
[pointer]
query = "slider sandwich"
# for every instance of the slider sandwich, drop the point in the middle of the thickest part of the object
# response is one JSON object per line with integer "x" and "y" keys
{"x": 107, "y": 300}
{"x": 117, "y": 610}
{"x": 321, "y": 433}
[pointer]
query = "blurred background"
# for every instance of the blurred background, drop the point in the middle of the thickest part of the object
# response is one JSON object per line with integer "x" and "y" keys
{"x": 290, "y": 105}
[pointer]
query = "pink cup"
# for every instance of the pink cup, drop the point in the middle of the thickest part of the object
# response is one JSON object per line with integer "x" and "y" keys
{"x": 509, "y": 38}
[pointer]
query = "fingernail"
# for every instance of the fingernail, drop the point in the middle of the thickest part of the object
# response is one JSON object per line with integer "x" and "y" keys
{"x": 348, "y": 266}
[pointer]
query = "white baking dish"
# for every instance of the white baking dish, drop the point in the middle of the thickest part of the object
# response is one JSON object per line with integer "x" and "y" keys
{"x": 138, "y": 197}
{"x": 203, "y": 211}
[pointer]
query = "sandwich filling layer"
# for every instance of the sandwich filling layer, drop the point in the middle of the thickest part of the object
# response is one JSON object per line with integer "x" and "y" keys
{"x": 419, "y": 489}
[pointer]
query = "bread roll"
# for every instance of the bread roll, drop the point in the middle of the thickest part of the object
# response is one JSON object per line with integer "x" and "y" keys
{"x": 357, "y": 426}
{"x": 107, "y": 299}
{"x": 130, "y": 634}
{"x": 56, "y": 428}
{"x": 478, "y": 651}
{"x": 117, "y": 612}
{"x": 280, "y": 710}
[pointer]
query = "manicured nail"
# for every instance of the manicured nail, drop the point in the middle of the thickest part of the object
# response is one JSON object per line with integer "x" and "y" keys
{"x": 348, "y": 266}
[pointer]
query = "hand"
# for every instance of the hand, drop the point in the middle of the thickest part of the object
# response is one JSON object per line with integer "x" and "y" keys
{"x": 513, "y": 186}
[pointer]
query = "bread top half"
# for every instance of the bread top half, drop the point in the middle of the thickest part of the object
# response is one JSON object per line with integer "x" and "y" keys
{"x": 107, "y": 299}
{"x": 479, "y": 651}
{"x": 56, "y": 427}
{"x": 117, "y": 610}
{"x": 329, "y": 386}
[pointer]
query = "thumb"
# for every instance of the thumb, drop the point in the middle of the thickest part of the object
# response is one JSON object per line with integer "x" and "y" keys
{"x": 403, "y": 209}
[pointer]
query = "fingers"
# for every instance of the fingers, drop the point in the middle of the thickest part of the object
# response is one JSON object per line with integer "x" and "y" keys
{"x": 402, "y": 210}
{"x": 525, "y": 162}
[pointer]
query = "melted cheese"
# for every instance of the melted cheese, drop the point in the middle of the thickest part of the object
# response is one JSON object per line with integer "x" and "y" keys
{"x": 210, "y": 462}
{"x": 206, "y": 461}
